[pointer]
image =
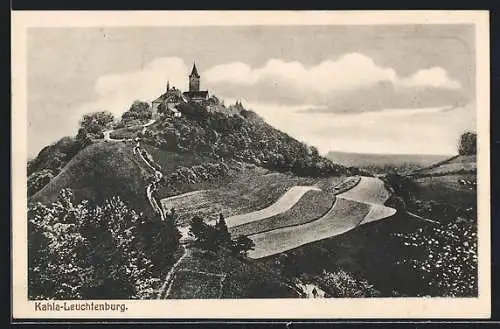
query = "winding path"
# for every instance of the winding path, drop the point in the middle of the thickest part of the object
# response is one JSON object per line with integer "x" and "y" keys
{"x": 167, "y": 285}
{"x": 348, "y": 212}
{"x": 151, "y": 187}
{"x": 284, "y": 203}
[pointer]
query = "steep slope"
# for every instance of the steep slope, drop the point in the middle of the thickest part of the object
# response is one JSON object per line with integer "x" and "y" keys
{"x": 100, "y": 171}
{"x": 242, "y": 137}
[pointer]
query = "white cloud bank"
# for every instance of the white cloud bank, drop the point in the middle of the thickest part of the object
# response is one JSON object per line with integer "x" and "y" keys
{"x": 282, "y": 92}
{"x": 353, "y": 70}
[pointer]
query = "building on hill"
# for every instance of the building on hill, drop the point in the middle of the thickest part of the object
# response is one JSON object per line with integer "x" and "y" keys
{"x": 195, "y": 94}
{"x": 167, "y": 102}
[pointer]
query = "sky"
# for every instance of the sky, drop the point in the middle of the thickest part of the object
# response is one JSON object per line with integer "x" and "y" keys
{"x": 403, "y": 89}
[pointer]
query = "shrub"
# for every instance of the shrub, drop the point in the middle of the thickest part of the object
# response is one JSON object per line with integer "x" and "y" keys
{"x": 79, "y": 251}
{"x": 138, "y": 111}
{"x": 445, "y": 257}
{"x": 467, "y": 144}
{"x": 344, "y": 285}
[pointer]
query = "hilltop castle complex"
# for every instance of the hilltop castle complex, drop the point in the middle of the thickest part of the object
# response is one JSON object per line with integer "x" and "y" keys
{"x": 167, "y": 102}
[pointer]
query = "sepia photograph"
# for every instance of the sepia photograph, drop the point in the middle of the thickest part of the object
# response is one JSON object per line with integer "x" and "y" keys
{"x": 286, "y": 164}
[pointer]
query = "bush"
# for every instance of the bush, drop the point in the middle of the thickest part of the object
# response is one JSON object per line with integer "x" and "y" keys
{"x": 343, "y": 285}
{"x": 38, "y": 180}
{"x": 138, "y": 111}
{"x": 95, "y": 123}
{"x": 79, "y": 251}
{"x": 445, "y": 257}
{"x": 467, "y": 144}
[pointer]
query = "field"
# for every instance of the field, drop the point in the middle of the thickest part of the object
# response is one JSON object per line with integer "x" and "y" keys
{"x": 369, "y": 190}
{"x": 283, "y": 204}
{"x": 459, "y": 164}
{"x": 344, "y": 216}
{"x": 248, "y": 190}
{"x": 311, "y": 206}
{"x": 446, "y": 189}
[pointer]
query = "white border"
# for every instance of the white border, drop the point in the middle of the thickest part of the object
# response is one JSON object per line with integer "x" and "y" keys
{"x": 260, "y": 308}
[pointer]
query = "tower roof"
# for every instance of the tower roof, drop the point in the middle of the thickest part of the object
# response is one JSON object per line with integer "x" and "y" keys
{"x": 194, "y": 71}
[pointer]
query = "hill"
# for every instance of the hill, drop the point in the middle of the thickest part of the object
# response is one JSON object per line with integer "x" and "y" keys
{"x": 380, "y": 163}
{"x": 190, "y": 149}
{"x": 452, "y": 181}
{"x": 98, "y": 172}
{"x": 460, "y": 164}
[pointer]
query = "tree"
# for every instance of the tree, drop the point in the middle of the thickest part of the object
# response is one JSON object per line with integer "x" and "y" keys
{"x": 467, "y": 144}
{"x": 139, "y": 110}
{"x": 204, "y": 234}
{"x": 38, "y": 180}
{"x": 162, "y": 108}
{"x": 224, "y": 237}
{"x": 445, "y": 257}
{"x": 81, "y": 251}
{"x": 94, "y": 123}
{"x": 242, "y": 244}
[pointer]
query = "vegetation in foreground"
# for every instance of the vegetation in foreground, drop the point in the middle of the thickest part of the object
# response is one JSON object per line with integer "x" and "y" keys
{"x": 85, "y": 251}
{"x": 217, "y": 267}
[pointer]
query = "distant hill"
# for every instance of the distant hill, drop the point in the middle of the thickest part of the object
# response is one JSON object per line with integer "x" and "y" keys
{"x": 460, "y": 164}
{"x": 380, "y": 163}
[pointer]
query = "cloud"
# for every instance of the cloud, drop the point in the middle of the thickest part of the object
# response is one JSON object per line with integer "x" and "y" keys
{"x": 434, "y": 77}
{"x": 118, "y": 91}
{"x": 353, "y": 82}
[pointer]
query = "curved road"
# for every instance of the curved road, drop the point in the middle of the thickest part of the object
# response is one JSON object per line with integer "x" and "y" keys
{"x": 284, "y": 203}
{"x": 346, "y": 214}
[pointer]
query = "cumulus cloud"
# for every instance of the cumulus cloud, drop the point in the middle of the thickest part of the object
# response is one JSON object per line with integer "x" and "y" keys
{"x": 117, "y": 91}
{"x": 352, "y": 82}
{"x": 434, "y": 77}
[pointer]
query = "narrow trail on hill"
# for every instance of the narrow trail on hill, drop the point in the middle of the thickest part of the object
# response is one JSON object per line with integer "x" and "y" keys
{"x": 151, "y": 187}
{"x": 169, "y": 279}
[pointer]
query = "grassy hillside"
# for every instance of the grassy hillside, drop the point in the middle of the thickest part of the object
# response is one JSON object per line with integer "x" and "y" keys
{"x": 460, "y": 164}
{"x": 241, "y": 137}
{"x": 100, "y": 171}
{"x": 379, "y": 163}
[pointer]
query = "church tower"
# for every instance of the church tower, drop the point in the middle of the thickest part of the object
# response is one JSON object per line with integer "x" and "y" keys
{"x": 194, "y": 79}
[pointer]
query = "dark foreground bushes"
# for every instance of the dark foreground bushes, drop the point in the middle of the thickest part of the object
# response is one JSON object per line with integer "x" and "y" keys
{"x": 84, "y": 251}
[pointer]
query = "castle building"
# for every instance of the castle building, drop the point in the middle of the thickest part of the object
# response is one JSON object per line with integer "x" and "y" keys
{"x": 195, "y": 94}
{"x": 172, "y": 96}
{"x": 166, "y": 102}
